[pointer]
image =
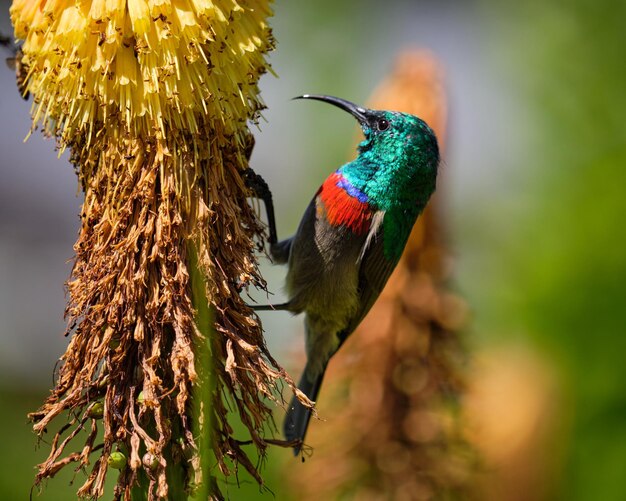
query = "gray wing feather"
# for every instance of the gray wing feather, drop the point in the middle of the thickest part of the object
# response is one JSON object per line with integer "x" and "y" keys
{"x": 374, "y": 272}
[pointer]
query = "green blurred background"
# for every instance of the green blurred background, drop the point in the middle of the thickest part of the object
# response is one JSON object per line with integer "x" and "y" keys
{"x": 535, "y": 172}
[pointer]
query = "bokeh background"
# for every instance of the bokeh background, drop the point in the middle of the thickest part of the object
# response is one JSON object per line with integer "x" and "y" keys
{"x": 535, "y": 179}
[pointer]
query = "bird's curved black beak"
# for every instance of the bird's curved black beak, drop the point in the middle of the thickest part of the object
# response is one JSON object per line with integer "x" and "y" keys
{"x": 356, "y": 111}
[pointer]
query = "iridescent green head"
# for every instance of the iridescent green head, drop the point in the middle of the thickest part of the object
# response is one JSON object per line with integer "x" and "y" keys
{"x": 398, "y": 159}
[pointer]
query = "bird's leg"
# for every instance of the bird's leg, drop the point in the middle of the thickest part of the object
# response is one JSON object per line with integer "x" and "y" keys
{"x": 269, "y": 307}
{"x": 261, "y": 190}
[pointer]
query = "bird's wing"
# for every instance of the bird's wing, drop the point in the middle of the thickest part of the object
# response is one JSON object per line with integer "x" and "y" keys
{"x": 374, "y": 271}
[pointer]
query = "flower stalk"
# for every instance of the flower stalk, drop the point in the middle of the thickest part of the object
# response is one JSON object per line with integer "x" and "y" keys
{"x": 152, "y": 100}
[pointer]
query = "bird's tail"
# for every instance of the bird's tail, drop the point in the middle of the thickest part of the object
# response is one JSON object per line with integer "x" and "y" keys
{"x": 298, "y": 416}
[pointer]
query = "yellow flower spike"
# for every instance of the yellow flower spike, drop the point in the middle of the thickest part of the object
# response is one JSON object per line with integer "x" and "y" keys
{"x": 204, "y": 9}
{"x": 97, "y": 9}
{"x": 126, "y": 67}
{"x": 184, "y": 15}
{"x": 96, "y": 31}
{"x": 139, "y": 16}
{"x": 152, "y": 99}
{"x": 160, "y": 8}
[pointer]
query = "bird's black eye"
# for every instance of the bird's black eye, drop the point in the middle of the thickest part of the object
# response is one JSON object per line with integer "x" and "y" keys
{"x": 382, "y": 124}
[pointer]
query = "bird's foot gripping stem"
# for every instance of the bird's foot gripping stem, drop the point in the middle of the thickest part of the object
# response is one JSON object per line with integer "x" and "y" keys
{"x": 261, "y": 190}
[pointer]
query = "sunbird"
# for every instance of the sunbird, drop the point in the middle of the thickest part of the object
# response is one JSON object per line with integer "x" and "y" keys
{"x": 351, "y": 237}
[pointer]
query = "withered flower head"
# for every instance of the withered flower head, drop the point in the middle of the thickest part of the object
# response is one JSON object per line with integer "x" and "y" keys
{"x": 152, "y": 98}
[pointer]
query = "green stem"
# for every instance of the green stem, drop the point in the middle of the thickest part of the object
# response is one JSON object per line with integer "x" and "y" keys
{"x": 177, "y": 472}
{"x": 204, "y": 388}
{"x": 176, "y": 476}
{"x": 139, "y": 491}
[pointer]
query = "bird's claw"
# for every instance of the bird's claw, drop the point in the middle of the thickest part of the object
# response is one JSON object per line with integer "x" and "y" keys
{"x": 260, "y": 189}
